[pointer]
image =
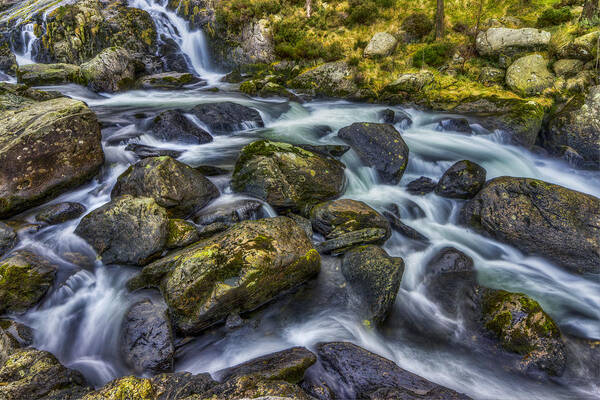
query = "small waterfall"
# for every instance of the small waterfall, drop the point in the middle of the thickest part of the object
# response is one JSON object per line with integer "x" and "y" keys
{"x": 28, "y": 38}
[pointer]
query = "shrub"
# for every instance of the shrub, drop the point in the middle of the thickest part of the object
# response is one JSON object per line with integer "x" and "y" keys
{"x": 552, "y": 17}
{"x": 235, "y": 14}
{"x": 417, "y": 26}
{"x": 434, "y": 55}
{"x": 363, "y": 13}
{"x": 293, "y": 41}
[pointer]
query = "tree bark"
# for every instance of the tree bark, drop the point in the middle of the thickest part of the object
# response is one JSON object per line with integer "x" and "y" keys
{"x": 439, "y": 20}
{"x": 590, "y": 10}
{"x": 308, "y": 8}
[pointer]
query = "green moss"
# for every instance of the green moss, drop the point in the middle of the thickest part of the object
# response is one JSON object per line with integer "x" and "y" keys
{"x": 235, "y": 14}
{"x": 552, "y": 16}
{"x": 433, "y": 55}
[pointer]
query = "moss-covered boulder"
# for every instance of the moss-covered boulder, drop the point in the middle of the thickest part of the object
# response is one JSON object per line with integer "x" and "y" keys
{"x": 379, "y": 146}
{"x": 540, "y": 218}
{"x": 226, "y": 117}
{"x": 566, "y": 44}
{"x": 181, "y": 233}
{"x": 286, "y": 176}
{"x": 375, "y": 278}
{"x": 576, "y": 126}
{"x": 60, "y": 212}
{"x": 524, "y": 328}
{"x": 174, "y": 126}
{"x": 75, "y": 33}
{"x": 567, "y": 68}
{"x": 334, "y": 79}
{"x": 46, "y": 148}
{"x": 529, "y": 75}
{"x": 175, "y": 186}
{"x": 496, "y": 42}
{"x": 127, "y": 230}
{"x": 129, "y": 387}
{"x": 112, "y": 70}
{"x": 382, "y": 44}
{"x": 35, "y": 374}
{"x": 8, "y": 238}
{"x": 255, "y": 387}
{"x": 24, "y": 279}
{"x": 15, "y": 96}
{"x": 235, "y": 271}
{"x": 166, "y": 80}
{"x": 49, "y": 74}
{"x": 463, "y": 180}
{"x": 13, "y": 336}
{"x": 8, "y": 61}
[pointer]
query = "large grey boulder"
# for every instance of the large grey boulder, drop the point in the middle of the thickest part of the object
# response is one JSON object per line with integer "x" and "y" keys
{"x": 505, "y": 41}
{"x": 382, "y": 44}
{"x": 334, "y": 79}
{"x": 112, "y": 70}
{"x": 529, "y": 75}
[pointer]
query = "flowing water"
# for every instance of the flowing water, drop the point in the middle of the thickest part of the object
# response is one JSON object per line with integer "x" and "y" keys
{"x": 79, "y": 320}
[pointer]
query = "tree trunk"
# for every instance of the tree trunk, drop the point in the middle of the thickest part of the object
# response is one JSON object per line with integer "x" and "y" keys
{"x": 308, "y": 8}
{"x": 439, "y": 20}
{"x": 590, "y": 10}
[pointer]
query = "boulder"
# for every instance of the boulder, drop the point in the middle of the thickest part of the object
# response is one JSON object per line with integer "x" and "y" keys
{"x": 59, "y": 213}
{"x": 343, "y": 243}
{"x": 334, "y": 79}
{"x": 8, "y": 238}
{"x": 504, "y": 41}
{"x": 421, "y": 186}
{"x": 229, "y": 213}
{"x": 181, "y": 233}
{"x": 375, "y": 278}
{"x": 13, "y": 336}
{"x": 8, "y": 61}
{"x": 411, "y": 83}
{"x": 379, "y": 146}
{"x": 255, "y": 387}
{"x": 567, "y": 68}
{"x": 454, "y": 125}
{"x": 146, "y": 339}
{"x": 565, "y": 45}
{"x": 389, "y": 116}
{"x": 143, "y": 151}
{"x": 529, "y": 75}
{"x": 540, "y": 218}
{"x": 177, "y": 187}
{"x": 328, "y": 150}
{"x": 49, "y": 74}
{"x": 112, "y": 70}
{"x": 234, "y": 271}
{"x": 365, "y": 375}
{"x": 463, "y": 180}
{"x": 166, "y": 80}
{"x": 577, "y": 126}
{"x": 174, "y": 126}
{"x": 25, "y": 279}
{"x": 127, "y": 230}
{"x": 382, "y": 44}
{"x": 46, "y": 148}
{"x": 405, "y": 230}
{"x": 492, "y": 76}
{"x": 286, "y": 176}
{"x": 227, "y": 117}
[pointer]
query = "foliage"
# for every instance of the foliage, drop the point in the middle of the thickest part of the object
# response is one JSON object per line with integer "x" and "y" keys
{"x": 417, "y": 25}
{"x": 553, "y": 16}
{"x": 433, "y": 55}
{"x": 236, "y": 13}
{"x": 293, "y": 41}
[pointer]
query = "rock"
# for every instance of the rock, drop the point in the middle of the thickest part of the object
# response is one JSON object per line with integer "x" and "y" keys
{"x": 335, "y": 218}
{"x": 59, "y": 213}
{"x": 540, "y": 218}
{"x": 411, "y": 83}
{"x": 177, "y": 187}
{"x": 375, "y": 277}
{"x": 567, "y": 68}
{"x": 229, "y": 213}
{"x": 211, "y": 170}
{"x": 47, "y": 147}
{"x": 334, "y": 79}
{"x": 174, "y": 126}
{"x": 252, "y": 45}
{"x": 404, "y": 229}
{"x": 364, "y": 374}
{"x": 227, "y": 117}
{"x": 166, "y": 80}
{"x": 463, "y": 180}
{"x": 382, "y": 44}
{"x": 388, "y": 116}
{"x": 529, "y": 75}
{"x": 491, "y": 75}
{"x": 234, "y": 271}
{"x": 8, "y": 61}
{"x": 127, "y": 230}
{"x": 454, "y": 125}
{"x": 416, "y": 26}
{"x": 146, "y": 339}
{"x": 577, "y": 126}
{"x": 421, "y": 186}
{"x": 379, "y": 146}
{"x": 346, "y": 241}
{"x": 286, "y": 176}
{"x": 8, "y": 238}
{"x": 26, "y": 278}
{"x": 181, "y": 234}
{"x": 253, "y": 387}
{"x": 35, "y": 374}
{"x": 328, "y": 150}
{"x": 13, "y": 336}
{"x": 524, "y": 328}
{"x": 505, "y": 41}
{"x": 49, "y": 74}
{"x": 129, "y": 387}
{"x": 143, "y": 151}
{"x": 112, "y": 70}
{"x": 271, "y": 89}
{"x": 565, "y": 45}
{"x": 287, "y": 365}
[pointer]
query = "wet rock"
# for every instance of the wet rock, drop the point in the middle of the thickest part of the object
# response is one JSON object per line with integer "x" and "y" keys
{"x": 254, "y": 387}
{"x": 350, "y": 372}
{"x": 382, "y": 44}
{"x": 143, "y": 151}
{"x": 208, "y": 231}
{"x": 328, "y": 150}
{"x": 304, "y": 223}
{"x": 287, "y": 365}
{"x": 8, "y": 61}
{"x": 497, "y": 41}
{"x": 127, "y": 230}
{"x": 343, "y": 242}
{"x": 181, "y": 233}
{"x": 180, "y": 385}
{"x": 421, "y": 186}
{"x": 8, "y": 238}
{"x": 166, "y": 80}
{"x": 379, "y": 146}
{"x": 577, "y": 126}
{"x": 389, "y": 116}
{"x": 211, "y": 170}
{"x": 146, "y": 338}
{"x": 540, "y": 218}
{"x": 47, "y": 147}
{"x": 234, "y": 271}
{"x": 177, "y": 187}
{"x": 529, "y": 75}
{"x": 454, "y": 125}
{"x": 286, "y": 176}
{"x": 463, "y": 180}
{"x": 227, "y": 117}
{"x": 49, "y": 74}
{"x": 229, "y": 213}
{"x": 112, "y": 70}
{"x": 404, "y": 229}
{"x": 375, "y": 277}
{"x": 59, "y": 213}
{"x": 26, "y": 277}
{"x": 129, "y": 387}
{"x": 174, "y": 126}
{"x": 35, "y": 374}
{"x": 332, "y": 79}
{"x": 13, "y": 336}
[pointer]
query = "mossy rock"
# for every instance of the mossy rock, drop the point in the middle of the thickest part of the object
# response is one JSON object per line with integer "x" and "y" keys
{"x": 463, "y": 180}
{"x": 112, "y": 70}
{"x": 8, "y": 238}
{"x": 166, "y": 80}
{"x": 181, "y": 233}
{"x": 129, "y": 387}
{"x": 8, "y": 61}
{"x": 49, "y": 74}
{"x": 334, "y": 79}
{"x": 529, "y": 75}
